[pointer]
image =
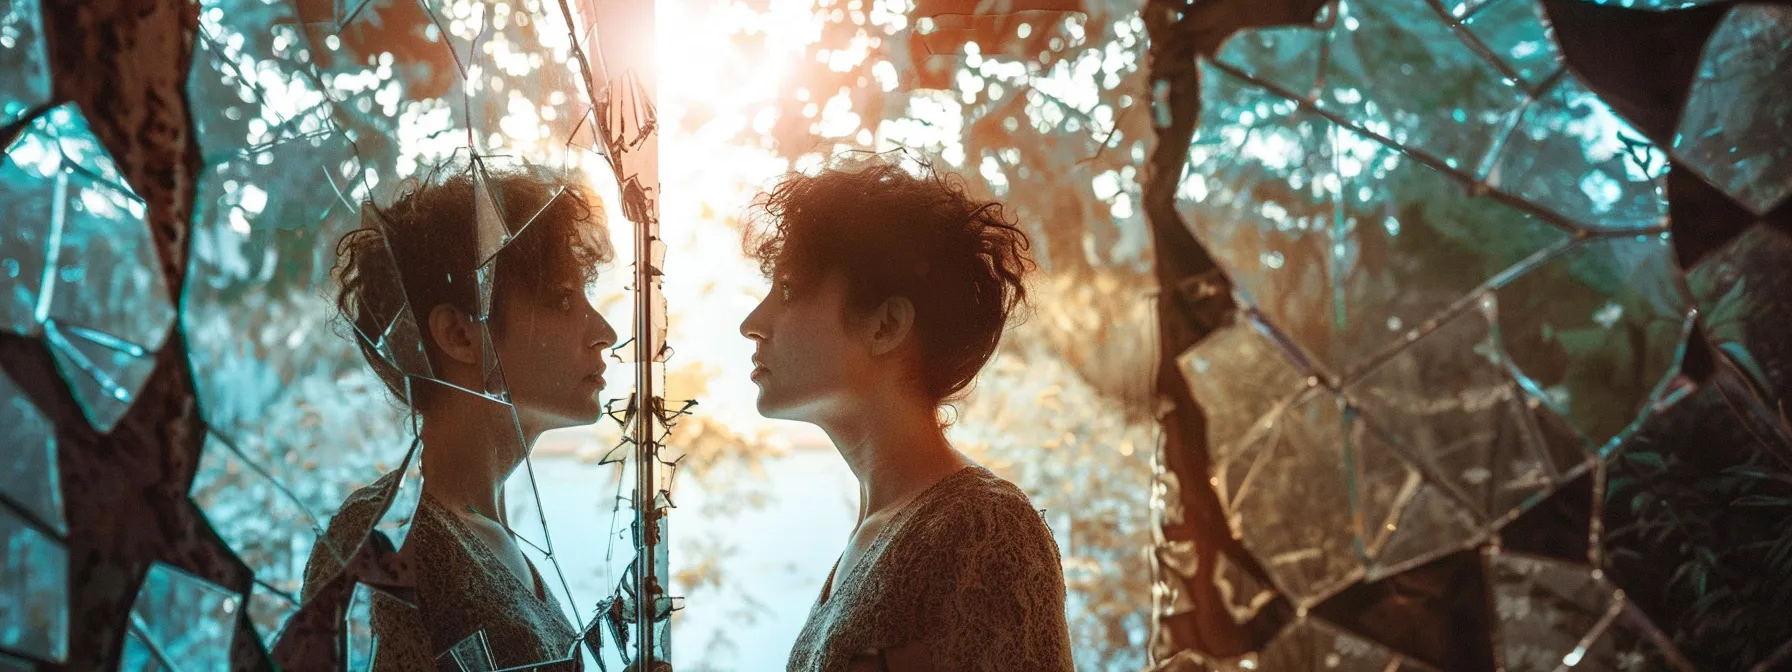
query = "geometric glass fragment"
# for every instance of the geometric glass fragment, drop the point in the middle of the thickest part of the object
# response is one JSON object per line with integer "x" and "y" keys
{"x": 24, "y": 59}
{"x": 1296, "y": 516}
{"x": 1339, "y": 241}
{"x": 1545, "y": 609}
{"x": 1387, "y": 61}
{"x": 1430, "y": 525}
{"x": 263, "y": 524}
{"x": 33, "y": 591}
{"x": 1286, "y": 56}
{"x": 1237, "y": 374}
{"x": 1743, "y": 291}
{"x": 1573, "y": 157}
{"x": 1738, "y": 115}
{"x": 29, "y": 472}
{"x": 186, "y": 622}
{"x": 1630, "y": 642}
{"x": 1313, "y": 644}
{"x": 1594, "y": 330}
{"x": 97, "y": 294}
{"x": 1449, "y": 403}
{"x": 1514, "y": 30}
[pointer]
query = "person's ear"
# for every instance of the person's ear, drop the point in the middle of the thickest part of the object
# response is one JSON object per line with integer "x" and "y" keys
{"x": 891, "y": 323}
{"x": 456, "y": 333}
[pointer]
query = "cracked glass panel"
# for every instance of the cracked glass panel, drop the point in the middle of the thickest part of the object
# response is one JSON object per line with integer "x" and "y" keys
{"x": 1515, "y": 33}
{"x": 97, "y": 294}
{"x": 1239, "y": 373}
{"x": 183, "y": 622}
{"x": 33, "y": 590}
{"x": 1466, "y": 240}
{"x": 1739, "y": 290}
{"x": 1448, "y": 403}
{"x": 1545, "y": 609}
{"x": 29, "y": 478}
{"x": 1313, "y": 644}
{"x": 25, "y": 65}
{"x": 1595, "y": 330}
{"x": 1571, "y": 156}
{"x": 1324, "y": 483}
{"x": 265, "y": 523}
{"x": 1628, "y": 641}
{"x": 1377, "y": 50}
{"x": 1735, "y": 122}
{"x": 1288, "y": 57}
{"x": 1318, "y": 225}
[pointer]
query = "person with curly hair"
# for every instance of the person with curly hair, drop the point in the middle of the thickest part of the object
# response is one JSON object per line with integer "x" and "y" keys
{"x": 890, "y": 291}
{"x": 419, "y": 266}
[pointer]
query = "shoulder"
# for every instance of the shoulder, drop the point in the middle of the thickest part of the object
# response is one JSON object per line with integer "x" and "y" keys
{"x": 976, "y": 512}
{"x": 357, "y": 515}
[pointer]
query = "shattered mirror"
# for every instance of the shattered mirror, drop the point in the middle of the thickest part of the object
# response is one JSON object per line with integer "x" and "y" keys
{"x": 1483, "y": 330}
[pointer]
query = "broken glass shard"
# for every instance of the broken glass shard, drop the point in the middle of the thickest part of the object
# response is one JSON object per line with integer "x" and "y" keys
{"x": 471, "y": 654}
{"x": 1733, "y": 128}
{"x": 1429, "y": 525}
{"x": 1380, "y": 54}
{"x": 251, "y": 82}
{"x": 268, "y": 612}
{"x": 360, "y": 636}
{"x": 187, "y": 622}
{"x": 1447, "y": 402}
{"x": 1340, "y": 242}
{"x": 33, "y": 591}
{"x": 1595, "y": 330}
{"x": 1379, "y": 481}
{"x": 264, "y": 523}
{"x": 1542, "y": 608}
{"x": 525, "y": 96}
{"x": 1514, "y": 30}
{"x": 1575, "y": 158}
{"x": 1296, "y": 517}
{"x": 29, "y": 477}
{"x": 259, "y": 312}
{"x": 1284, "y": 56}
{"x": 1237, "y": 374}
{"x": 1313, "y": 644}
{"x": 100, "y": 300}
{"x": 1629, "y": 642}
{"x": 24, "y": 60}
{"x": 1742, "y": 290}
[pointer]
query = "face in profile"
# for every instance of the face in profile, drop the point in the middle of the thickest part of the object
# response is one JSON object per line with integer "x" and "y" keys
{"x": 808, "y": 354}
{"x": 551, "y": 344}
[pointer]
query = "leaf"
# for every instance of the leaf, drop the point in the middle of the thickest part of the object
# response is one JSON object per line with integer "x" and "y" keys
{"x": 1761, "y": 500}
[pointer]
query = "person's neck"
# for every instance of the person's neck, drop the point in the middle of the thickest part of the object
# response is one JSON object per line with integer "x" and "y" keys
{"x": 470, "y": 448}
{"x": 895, "y": 447}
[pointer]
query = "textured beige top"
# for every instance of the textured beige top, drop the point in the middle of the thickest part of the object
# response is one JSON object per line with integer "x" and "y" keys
{"x": 968, "y": 569}
{"x": 462, "y": 589}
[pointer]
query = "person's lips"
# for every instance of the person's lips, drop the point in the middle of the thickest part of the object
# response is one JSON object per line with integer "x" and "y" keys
{"x": 596, "y": 376}
{"x": 758, "y": 369}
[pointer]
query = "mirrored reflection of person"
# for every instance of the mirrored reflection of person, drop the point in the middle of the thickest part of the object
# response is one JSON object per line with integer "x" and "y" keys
{"x": 472, "y": 578}
{"x": 890, "y": 292}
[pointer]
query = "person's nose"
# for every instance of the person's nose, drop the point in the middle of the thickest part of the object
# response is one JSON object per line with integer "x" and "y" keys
{"x": 754, "y": 326}
{"x": 602, "y": 335}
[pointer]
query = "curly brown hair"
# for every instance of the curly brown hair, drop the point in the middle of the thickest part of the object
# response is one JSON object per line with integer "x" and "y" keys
{"x": 961, "y": 260}
{"x": 425, "y": 246}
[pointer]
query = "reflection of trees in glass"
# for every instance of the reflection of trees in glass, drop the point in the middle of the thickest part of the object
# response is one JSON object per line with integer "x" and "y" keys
{"x": 1363, "y": 181}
